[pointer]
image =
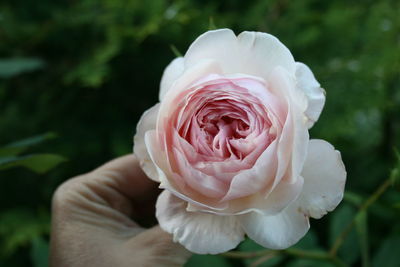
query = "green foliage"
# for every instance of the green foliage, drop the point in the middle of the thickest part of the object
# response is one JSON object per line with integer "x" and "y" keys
{"x": 39, "y": 252}
{"x": 16, "y": 148}
{"x": 388, "y": 252}
{"x": 39, "y": 163}
{"x": 88, "y": 69}
{"x": 20, "y": 227}
{"x": 15, "y": 66}
{"x": 207, "y": 260}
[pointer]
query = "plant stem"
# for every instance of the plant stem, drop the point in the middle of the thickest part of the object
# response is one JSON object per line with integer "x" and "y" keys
{"x": 245, "y": 255}
{"x": 340, "y": 239}
{"x": 315, "y": 255}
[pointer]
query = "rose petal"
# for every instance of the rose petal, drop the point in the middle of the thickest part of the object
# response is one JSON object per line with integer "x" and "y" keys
{"x": 199, "y": 232}
{"x": 256, "y": 178}
{"x": 204, "y": 184}
{"x": 307, "y": 83}
{"x": 146, "y": 123}
{"x": 183, "y": 83}
{"x": 174, "y": 182}
{"x": 251, "y": 53}
{"x": 278, "y": 231}
{"x": 324, "y": 179}
{"x": 171, "y": 73}
{"x": 293, "y": 142}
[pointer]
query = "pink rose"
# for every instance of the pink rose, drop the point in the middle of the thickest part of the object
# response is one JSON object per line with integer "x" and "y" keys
{"x": 229, "y": 143}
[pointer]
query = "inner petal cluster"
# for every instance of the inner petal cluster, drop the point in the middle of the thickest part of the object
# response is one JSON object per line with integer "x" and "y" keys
{"x": 222, "y": 128}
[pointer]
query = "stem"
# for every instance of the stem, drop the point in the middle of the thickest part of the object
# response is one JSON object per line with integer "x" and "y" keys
{"x": 267, "y": 254}
{"x": 263, "y": 259}
{"x": 316, "y": 255}
{"x": 245, "y": 255}
{"x": 339, "y": 240}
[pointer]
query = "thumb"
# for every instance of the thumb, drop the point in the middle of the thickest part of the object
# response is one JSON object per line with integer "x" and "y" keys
{"x": 156, "y": 248}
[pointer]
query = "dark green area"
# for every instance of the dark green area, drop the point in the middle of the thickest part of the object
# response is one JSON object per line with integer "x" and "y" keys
{"x": 86, "y": 70}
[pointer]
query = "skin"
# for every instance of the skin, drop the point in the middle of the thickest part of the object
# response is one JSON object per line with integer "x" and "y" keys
{"x": 93, "y": 220}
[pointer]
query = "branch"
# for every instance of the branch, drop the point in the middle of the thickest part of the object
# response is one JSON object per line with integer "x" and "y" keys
{"x": 342, "y": 236}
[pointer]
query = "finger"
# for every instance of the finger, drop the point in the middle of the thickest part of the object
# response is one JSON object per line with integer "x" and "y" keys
{"x": 113, "y": 191}
{"x": 128, "y": 178}
{"x": 157, "y": 248}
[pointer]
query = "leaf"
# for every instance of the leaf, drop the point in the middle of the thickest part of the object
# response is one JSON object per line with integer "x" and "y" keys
{"x": 39, "y": 163}
{"x": 362, "y": 232}
{"x": 308, "y": 242}
{"x": 14, "y": 66}
{"x": 349, "y": 251}
{"x": 388, "y": 253}
{"x": 395, "y": 173}
{"x": 249, "y": 245}
{"x": 18, "y": 227}
{"x": 175, "y": 51}
{"x": 211, "y": 24}
{"x": 207, "y": 260}
{"x": 39, "y": 252}
{"x": 353, "y": 198}
{"x": 308, "y": 263}
{"x": 15, "y": 148}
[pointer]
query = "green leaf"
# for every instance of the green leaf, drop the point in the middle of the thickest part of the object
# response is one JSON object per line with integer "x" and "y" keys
{"x": 39, "y": 252}
{"x": 349, "y": 250}
{"x": 249, "y": 245}
{"x": 309, "y": 263}
{"x": 387, "y": 254}
{"x": 353, "y": 198}
{"x": 362, "y": 232}
{"x": 211, "y": 24}
{"x": 207, "y": 260}
{"x": 308, "y": 242}
{"x": 18, "y": 227}
{"x": 175, "y": 50}
{"x": 14, "y": 66}
{"x": 39, "y": 163}
{"x": 15, "y": 148}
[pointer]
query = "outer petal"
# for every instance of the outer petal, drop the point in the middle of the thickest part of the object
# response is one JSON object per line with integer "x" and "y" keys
{"x": 171, "y": 73}
{"x": 253, "y": 53}
{"x": 293, "y": 141}
{"x": 324, "y": 179}
{"x": 307, "y": 83}
{"x": 199, "y": 232}
{"x": 277, "y": 231}
{"x": 146, "y": 123}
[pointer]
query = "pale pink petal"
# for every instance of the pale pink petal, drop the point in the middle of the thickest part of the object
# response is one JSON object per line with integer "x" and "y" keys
{"x": 204, "y": 184}
{"x": 174, "y": 182}
{"x": 251, "y": 53}
{"x": 256, "y": 178}
{"x": 171, "y": 73}
{"x": 264, "y": 52}
{"x": 200, "y": 233}
{"x": 182, "y": 85}
{"x": 146, "y": 123}
{"x": 307, "y": 83}
{"x": 324, "y": 179}
{"x": 282, "y": 195}
{"x": 278, "y": 231}
{"x": 293, "y": 142}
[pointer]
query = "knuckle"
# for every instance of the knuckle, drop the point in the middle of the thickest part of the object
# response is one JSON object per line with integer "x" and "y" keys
{"x": 65, "y": 193}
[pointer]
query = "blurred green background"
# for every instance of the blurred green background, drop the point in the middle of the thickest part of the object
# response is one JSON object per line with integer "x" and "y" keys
{"x": 75, "y": 76}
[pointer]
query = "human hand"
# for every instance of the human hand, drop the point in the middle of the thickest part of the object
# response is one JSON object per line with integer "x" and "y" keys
{"x": 92, "y": 221}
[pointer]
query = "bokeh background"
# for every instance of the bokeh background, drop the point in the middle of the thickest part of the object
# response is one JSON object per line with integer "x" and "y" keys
{"x": 75, "y": 76}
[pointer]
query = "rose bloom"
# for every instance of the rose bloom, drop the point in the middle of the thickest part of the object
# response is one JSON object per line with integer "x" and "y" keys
{"x": 229, "y": 143}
